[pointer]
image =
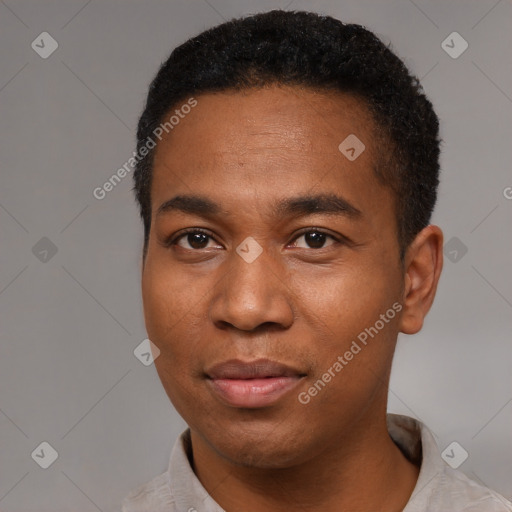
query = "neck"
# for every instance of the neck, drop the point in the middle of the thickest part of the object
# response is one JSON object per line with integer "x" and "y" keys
{"x": 355, "y": 472}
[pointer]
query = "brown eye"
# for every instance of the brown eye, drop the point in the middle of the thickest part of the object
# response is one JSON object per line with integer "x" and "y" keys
{"x": 193, "y": 239}
{"x": 314, "y": 239}
{"x": 197, "y": 240}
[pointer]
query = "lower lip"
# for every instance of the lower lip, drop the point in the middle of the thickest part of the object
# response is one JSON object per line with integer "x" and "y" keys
{"x": 253, "y": 393}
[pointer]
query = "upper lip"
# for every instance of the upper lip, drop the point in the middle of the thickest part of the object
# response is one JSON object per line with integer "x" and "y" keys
{"x": 257, "y": 369}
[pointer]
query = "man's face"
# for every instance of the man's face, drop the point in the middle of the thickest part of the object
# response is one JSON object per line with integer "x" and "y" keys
{"x": 214, "y": 298}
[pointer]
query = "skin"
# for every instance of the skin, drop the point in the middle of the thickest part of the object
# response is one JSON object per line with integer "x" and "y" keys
{"x": 298, "y": 303}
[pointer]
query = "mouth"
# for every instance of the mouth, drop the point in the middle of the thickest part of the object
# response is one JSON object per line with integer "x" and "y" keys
{"x": 252, "y": 384}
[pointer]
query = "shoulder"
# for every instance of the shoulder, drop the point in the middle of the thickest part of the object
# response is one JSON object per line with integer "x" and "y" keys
{"x": 154, "y": 496}
{"x": 455, "y": 488}
{"x": 439, "y": 488}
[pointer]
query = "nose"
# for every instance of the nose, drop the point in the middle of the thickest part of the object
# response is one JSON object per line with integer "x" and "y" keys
{"x": 252, "y": 295}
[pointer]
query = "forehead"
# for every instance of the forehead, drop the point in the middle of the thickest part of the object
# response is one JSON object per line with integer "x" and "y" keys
{"x": 294, "y": 118}
{"x": 266, "y": 142}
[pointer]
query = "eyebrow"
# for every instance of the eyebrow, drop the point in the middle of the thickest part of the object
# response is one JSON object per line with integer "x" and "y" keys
{"x": 294, "y": 206}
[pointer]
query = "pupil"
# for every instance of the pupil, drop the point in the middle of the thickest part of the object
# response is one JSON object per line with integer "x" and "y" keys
{"x": 197, "y": 240}
{"x": 315, "y": 239}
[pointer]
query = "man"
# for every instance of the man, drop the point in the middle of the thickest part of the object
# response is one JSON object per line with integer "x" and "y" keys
{"x": 288, "y": 171}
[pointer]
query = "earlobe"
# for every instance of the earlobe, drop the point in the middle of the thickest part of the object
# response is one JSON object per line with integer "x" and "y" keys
{"x": 423, "y": 265}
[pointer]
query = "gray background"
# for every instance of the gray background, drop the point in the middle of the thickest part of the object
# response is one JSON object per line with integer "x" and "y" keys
{"x": 70, "y": 324}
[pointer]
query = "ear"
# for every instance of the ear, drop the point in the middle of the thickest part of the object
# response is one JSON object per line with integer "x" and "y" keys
{"x": 423, "y": 264}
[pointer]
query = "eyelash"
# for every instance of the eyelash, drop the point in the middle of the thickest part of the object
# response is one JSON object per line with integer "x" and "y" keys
{"x": 174, "y": 239}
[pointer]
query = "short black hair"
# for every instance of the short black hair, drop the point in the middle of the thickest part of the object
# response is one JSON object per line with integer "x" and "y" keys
{"x": 307, "y": 49}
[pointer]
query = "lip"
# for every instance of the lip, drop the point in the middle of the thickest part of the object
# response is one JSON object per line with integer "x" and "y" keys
{"x": 252, "y": 384}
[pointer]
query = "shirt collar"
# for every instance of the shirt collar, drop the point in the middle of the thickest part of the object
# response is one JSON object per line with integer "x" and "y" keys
{"x": 419, "y": 446}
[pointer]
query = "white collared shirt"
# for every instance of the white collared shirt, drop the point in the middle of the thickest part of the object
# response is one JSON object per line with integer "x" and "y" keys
{"x": 439, "y": 487}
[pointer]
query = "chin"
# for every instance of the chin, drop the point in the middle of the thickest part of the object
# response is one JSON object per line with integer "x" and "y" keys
{"x": 262, "y": 448}
{"x": 260, "y": 457}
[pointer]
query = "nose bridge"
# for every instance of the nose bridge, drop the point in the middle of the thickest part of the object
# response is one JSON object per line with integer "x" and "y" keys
{"x": 253, "y": 291}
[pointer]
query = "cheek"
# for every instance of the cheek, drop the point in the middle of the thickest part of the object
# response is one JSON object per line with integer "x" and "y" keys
{"x": 169, "y": 304}
{"x": 345, "y": 298}
{"x": 169, "y": 314}
{"x": 343, "y": 312}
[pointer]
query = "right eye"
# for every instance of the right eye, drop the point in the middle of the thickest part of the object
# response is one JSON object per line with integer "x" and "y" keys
{"x": 195, "y": 238}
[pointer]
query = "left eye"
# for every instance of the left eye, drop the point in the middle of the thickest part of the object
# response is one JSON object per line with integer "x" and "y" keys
{"x": 314, "y": 240}
{"x": 195, "y": 239}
